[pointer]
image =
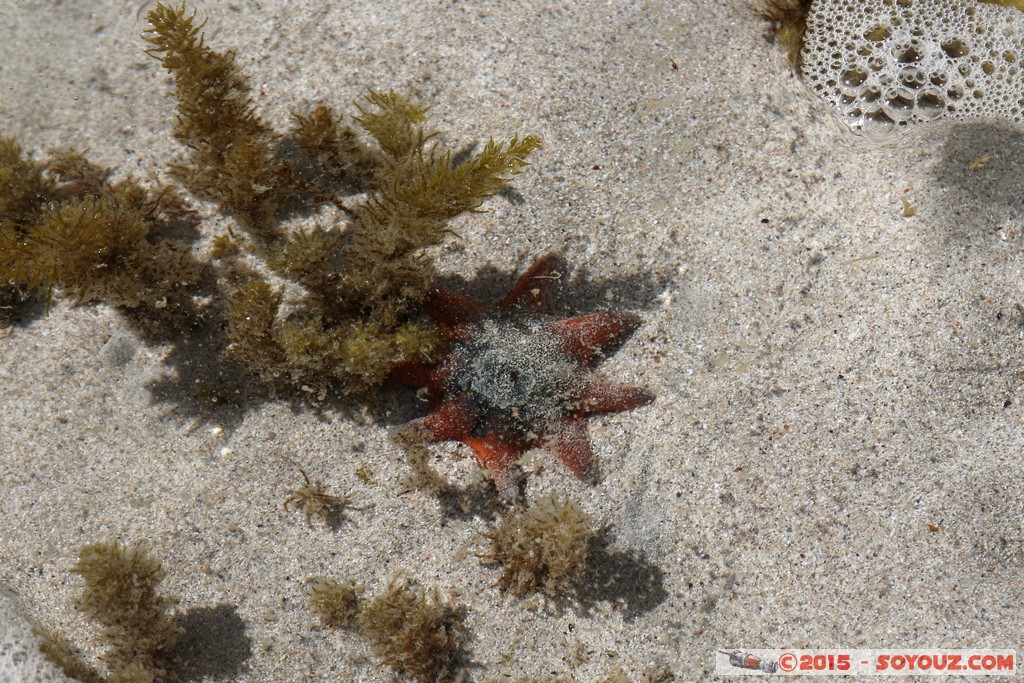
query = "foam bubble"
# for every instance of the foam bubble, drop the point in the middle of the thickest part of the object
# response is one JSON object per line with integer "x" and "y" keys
{"x": 886, "y": 65}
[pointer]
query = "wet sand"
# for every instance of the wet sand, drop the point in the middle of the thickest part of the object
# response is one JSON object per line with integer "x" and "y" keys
{"x": 834, "y": 455}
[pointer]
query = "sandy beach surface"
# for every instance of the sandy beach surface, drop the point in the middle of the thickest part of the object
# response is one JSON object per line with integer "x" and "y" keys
{"x": 831, "y": 328}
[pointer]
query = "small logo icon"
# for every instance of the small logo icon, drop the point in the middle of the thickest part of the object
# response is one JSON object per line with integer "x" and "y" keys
{"x": 744, "y": 660}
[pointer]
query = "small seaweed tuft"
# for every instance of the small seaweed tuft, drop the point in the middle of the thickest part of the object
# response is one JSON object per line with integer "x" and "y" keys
{"x": 336, "y": 147}
{"x": 421, "y": 192}
{"x": 305, "y": 351}
{"x": 91, "y": 247}
{"x": 394, "y": 119}
{"x": 121, "y": 593}
{"x": 64, "y": 225}
{"x": 412, "y": 630}
{"x": 24, "y": 190}
{"x": 337, "y": 603}
{"x": 25, "y": 186}
{"x": 231, "y": 149}
{"x": 135, "y": 672}
{"x": 66, "y": 656}
{"x": 543, "y": 548}
{"x": 787, "y": 20}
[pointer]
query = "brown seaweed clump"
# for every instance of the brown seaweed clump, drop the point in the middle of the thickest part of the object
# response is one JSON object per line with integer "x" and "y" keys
{"x": 121, "y": 594}
{"x": 360, "y": 283}
{"x": 412, "y": 630}
{"x": 409, "y": 628}
{"x": 336, "y": 603}
{"x": 543, "y": 548}
{"x": 64, "y": 225}
{"x": 353, "y": 309}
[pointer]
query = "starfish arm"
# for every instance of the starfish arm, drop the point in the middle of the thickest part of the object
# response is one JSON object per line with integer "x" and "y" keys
{"x": 451, "y": 310}
{"x": 583, "y": 337}
{"x": 450, "y": 421}
{"x": 571, "y": 443}
{"x": 610, "y": 398}
{"x": 499, "y": 454}
{"x": 533, "y": 288}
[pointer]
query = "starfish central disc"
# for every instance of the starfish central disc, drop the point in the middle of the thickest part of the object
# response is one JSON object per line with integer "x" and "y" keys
{"x": 514, "y": 373}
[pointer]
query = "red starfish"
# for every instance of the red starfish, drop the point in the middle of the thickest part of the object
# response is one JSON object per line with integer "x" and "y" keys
{"x": 519, "y": 378}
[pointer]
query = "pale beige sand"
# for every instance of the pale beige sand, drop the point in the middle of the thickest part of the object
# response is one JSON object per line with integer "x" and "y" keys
{"x": 834, "y": 379}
